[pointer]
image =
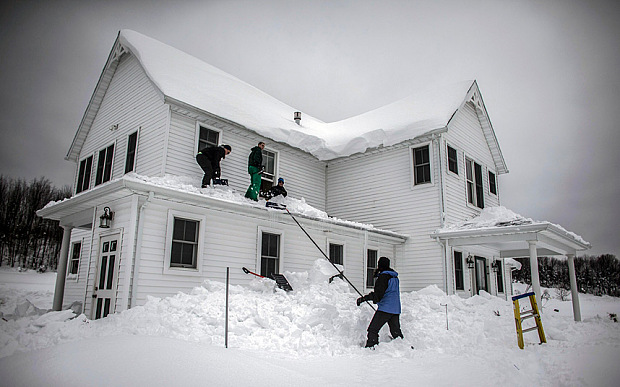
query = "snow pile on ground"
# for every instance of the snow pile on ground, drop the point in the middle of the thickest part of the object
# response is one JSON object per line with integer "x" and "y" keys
{"x": 315, "y": 331}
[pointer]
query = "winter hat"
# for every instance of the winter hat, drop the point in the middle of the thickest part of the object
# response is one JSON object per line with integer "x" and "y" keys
{"x": 227, "y": 147}
{"x": 384, "y": 263}
{"x": 281, "y": 180}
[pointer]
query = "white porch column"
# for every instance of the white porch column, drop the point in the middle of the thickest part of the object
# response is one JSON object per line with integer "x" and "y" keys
{"x": 534, "y": 272}
{"x": 61, "y": 274}
{"x": 573, "y": 287}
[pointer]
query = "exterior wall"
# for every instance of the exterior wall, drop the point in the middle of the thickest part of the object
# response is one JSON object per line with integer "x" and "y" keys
{"x": 232, "y": 239}
{"x": 75, "y": 284}
{"x": 304, "y": 175}
{"x": 132, "y": 103}
{"x": 377, "y": 188}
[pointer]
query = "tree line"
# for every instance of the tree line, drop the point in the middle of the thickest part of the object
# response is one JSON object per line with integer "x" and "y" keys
{"x": 598, "y": 275}
{"x": 27, "y": 240}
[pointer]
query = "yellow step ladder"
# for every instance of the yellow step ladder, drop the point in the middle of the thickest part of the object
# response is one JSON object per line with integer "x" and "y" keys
{"x": 519, "y": 317}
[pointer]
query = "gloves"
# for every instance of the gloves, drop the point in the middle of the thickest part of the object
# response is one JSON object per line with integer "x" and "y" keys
{"x": 361, "y": 300}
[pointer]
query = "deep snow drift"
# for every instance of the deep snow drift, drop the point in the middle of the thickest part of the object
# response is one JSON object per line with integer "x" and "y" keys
{"x": 311, "y": 336}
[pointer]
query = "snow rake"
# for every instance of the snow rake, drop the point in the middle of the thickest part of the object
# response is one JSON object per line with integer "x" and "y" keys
{"x": 340, "y": 273}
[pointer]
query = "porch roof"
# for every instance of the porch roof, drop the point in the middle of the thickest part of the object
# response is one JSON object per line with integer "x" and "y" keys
{"x": 501, "y": 229}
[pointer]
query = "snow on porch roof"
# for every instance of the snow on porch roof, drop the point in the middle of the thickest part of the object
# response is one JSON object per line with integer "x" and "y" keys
{"x": 187, "y": 79}
{"x": 501, "y": 228}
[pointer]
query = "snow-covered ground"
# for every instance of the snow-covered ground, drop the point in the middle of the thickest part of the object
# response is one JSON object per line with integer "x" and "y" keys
{"x": 308, "y": 337}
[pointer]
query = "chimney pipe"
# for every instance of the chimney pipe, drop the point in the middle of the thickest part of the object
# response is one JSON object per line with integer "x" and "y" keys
{"x": 297, "y": 118}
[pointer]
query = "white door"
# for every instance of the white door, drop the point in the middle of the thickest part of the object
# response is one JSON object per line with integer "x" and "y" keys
{"x": 104, "y": 295}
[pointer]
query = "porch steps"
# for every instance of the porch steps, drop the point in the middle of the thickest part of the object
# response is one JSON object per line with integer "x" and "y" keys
{"x": 520, "y": 316}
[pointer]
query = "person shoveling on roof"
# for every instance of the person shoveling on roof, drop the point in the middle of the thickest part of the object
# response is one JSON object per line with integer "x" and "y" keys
{"x": 387, "y": 296}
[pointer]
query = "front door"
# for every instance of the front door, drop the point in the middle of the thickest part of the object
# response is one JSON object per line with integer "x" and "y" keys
{"x": 104, "y": 295}
{"x": 481, "y": 274}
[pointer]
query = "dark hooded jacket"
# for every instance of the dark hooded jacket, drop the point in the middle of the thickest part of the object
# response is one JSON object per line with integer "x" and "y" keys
{"x": 387, "y": 292}
{"x": 256, "y": 158}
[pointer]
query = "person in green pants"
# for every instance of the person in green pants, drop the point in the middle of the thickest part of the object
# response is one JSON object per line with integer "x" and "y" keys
{"x": 255, "y": 168}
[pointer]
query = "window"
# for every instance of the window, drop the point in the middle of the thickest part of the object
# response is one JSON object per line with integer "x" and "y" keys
{"x": 207, "y": 137}
{"x": 74, "y": 263}
{"x": 453, "y": 163}
{"x": 270, "y": 254}
{"x": 371, "y": 266}
{"x": 421, "y": 165}
{"x": 475, "y": 193}
{"x": 130, "y": 160}
{"x": 500, "y": 276}
{"x": 492, "y": 183}
{"x": 336, "y": 253}
{"x": 458, "y": 270}
{"x": 104, "y": 165}
{"x": 267, "y": 178}
{"x": 184, "y": 250}
{"x": 83, "y": 182}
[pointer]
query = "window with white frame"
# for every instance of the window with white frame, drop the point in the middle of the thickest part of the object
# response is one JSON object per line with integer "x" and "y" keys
{"x": 500, "y": 276}
{"x": 336, "y": 253}
{"x": 104, "y": 165}
{"x": 270, "y": 254}
{"x": 371, "y": 265}
{"x": 473, "y": 174}
{"x": 453, "y": 163}
{"x": 492, "y": 183}
{"x": 207, "y": 137}
{"x": 184, "y": 248}
{"x": 132, "y": 146}
{"x": 421, "y": 165}
{"x": 458, "y": 271}
{"x": 83, "y": 182}
{"x": 269, "y": 173}
{"x": 74, "y": 263}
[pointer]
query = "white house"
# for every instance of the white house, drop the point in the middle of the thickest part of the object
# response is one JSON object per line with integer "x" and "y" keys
{"x": 406, "y": 181}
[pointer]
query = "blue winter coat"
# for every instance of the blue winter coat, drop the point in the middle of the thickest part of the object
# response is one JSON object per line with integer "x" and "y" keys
{"x": 387, "y": 292}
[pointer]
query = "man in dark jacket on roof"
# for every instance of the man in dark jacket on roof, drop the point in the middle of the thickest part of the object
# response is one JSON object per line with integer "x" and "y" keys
{"x": 255, "y": 168}
{"x": 387, "y": 296}
{"x": 209, "y": 160}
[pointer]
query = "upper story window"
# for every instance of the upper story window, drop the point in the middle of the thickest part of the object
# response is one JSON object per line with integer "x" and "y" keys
{"x": 336, "y": 253}
{"x": 132, "y": 146}
{"x": 475, "y": 193}
{"x": 421, "y": 165}
{"x": 83, "y": 182}
{"x": 268, "y": 175}
{"x": 492, "y": 183}
{"x": 453, "y": 163}
{"x": 184, "y": 252}
{"x": 270, "y": 254}
{"x": 104, "y": 165}
{"x": 371, "y": 266}
{"x": 207, "y": 137}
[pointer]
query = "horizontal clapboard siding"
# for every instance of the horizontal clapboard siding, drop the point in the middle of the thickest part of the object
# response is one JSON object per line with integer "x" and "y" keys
{"x": 377, "y": 188}
{"x": 304, "y": 175}
{"x": 75, "y": 285}
{"x": 134, "y": 104}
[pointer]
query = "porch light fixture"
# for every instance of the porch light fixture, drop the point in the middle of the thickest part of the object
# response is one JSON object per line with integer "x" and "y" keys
{"x": 470, "y": 262}
{"x": 105, "y": 220}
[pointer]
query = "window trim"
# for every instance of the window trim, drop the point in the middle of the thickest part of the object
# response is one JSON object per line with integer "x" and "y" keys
{"x": 448, "y": 147}
{"x": 344, "y": 250}
{"x": 375, "y": 248}
{"x": 75, "y": 276}
{"x": 202, "y": 220}
{"x": 90, "y": 174}
{"x": 489, "y": 173}
{"x": 207, "y": 126}
{"x": 135, "y": 152}
{"x": 112, "y": 144}
{"x": 259, "y": 246}
{"x": 412, "y": 164}
{"x": 475, "y": 191}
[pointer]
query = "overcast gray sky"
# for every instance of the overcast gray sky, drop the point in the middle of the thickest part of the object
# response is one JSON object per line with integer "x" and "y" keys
{"x": 549, "y": 72}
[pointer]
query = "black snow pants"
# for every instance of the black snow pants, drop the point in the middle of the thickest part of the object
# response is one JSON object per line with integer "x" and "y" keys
{"x": 206, "y": 166}
{"x": 378, "y": 321}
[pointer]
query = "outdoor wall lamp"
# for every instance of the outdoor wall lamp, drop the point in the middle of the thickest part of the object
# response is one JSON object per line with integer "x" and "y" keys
{"x": 470, "y": 262}
{"x": 106, "y": 219}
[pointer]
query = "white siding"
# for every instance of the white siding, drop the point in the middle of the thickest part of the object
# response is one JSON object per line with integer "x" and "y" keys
{"x": 377, "y": 188}
{"x": 75, "y": 285}
{"x": 304, "y": 175}
{"x": 132, "y": 103}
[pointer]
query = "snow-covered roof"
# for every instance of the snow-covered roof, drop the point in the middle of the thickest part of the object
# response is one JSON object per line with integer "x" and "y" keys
{"x": 185, "y": 78}
{"x": 494, "y": 223}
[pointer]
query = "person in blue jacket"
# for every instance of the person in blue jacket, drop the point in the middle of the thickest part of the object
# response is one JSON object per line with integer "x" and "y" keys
{"x": 387, "y": 295}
